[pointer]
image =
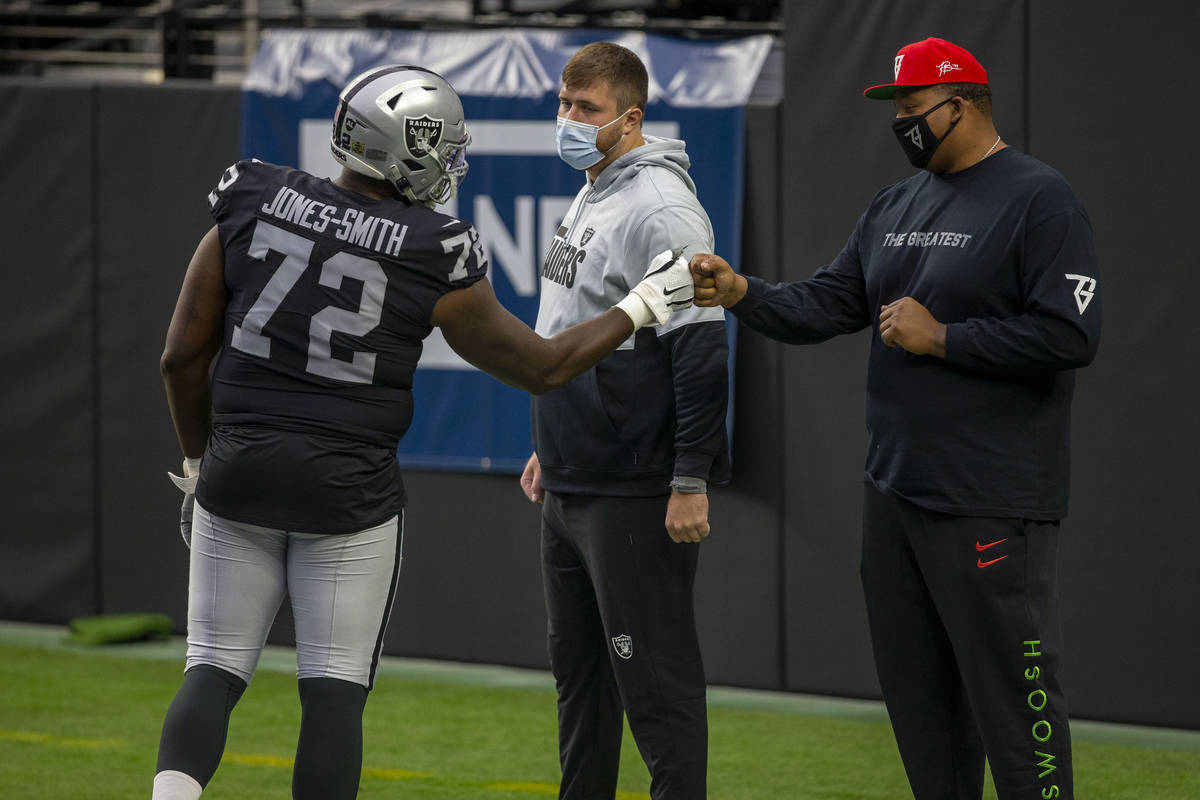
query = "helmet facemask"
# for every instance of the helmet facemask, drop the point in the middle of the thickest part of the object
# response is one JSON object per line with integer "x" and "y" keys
{"x": 452, "y": 156}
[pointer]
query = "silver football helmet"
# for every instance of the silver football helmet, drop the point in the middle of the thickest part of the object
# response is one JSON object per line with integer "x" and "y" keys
{"x": 405, "y": 125}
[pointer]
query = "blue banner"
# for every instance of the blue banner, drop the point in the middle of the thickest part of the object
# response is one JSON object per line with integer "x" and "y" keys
{"x": 517, "y": 190}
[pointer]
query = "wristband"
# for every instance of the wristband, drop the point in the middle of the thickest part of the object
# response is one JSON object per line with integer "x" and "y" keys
{"x": 687, "y": 484}
{"x": 637, "y": 310}
{"x": 191, "y": 475}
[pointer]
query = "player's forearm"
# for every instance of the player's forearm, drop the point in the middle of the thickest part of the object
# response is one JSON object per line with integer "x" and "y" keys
{"x": 189, "y": 396}
{"x": 578, "y": 348}
{"x": 490, "y": 337}
{"x": 804, "y": 312}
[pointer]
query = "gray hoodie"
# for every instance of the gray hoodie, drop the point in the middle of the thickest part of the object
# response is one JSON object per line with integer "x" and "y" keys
{"x": 643, "y": 203}
{"x": 656, "y": 407}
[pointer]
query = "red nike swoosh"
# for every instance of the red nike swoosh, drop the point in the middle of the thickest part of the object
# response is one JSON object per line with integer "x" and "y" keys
{"x": 982, "y": 547}
{"x": 981, "y": 563}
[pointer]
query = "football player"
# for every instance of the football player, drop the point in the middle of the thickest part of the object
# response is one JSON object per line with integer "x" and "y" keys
{"x": 313, "y": 297}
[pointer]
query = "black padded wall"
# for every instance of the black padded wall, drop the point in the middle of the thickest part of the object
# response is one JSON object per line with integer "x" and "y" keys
{"x": 1119, "y": 127}
{"x": 102, "y": 211}
{"x": 470, "y": 585}
{"x": 47, "y": 404}
{"x": 162, "y": 151}
{"x": 741, "y": 579}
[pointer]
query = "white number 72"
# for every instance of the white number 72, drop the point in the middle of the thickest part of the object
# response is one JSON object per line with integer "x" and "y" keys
{"x": 248, "y": 337}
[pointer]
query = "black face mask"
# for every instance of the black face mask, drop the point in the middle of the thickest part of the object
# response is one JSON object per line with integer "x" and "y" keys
{"x": 916, "y": 137}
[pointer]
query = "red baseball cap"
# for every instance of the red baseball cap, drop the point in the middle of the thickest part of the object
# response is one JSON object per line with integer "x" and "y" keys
{"x": 929, "y": 62}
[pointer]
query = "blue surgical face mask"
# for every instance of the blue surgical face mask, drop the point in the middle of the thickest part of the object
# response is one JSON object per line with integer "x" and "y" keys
{"x": 577, "y": 142}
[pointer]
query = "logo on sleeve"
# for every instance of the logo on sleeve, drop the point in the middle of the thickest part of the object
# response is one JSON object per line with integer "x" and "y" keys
{"x": 1085, "y": 289}
{"x": 623, "y": 645}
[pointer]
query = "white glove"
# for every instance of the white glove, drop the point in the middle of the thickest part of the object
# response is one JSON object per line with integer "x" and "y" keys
{"x": 666, "y": 288}
{"x": 187, "y": 485}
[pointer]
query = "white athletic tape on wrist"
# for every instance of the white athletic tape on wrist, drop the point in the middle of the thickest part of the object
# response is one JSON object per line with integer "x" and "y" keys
{"x": 191, "y": 476}
{"x": 637, "y": 310}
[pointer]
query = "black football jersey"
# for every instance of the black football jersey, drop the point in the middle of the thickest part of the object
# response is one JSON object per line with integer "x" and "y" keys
{"x": 329, "y": 298}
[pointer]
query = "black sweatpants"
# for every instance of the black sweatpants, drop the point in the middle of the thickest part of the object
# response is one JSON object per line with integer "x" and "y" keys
{"x": 964, "y": 623}
{"x": 622, "y": 635}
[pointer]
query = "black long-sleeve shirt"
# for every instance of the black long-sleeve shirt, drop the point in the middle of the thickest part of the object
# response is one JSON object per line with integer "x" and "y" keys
{"x": 1002, "y": 254}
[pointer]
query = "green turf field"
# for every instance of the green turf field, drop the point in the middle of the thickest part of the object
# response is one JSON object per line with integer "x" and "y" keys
{"x": 84, "y": 722}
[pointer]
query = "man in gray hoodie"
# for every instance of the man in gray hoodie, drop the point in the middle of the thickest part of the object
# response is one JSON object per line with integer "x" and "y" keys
{"x": 624, "y": 453}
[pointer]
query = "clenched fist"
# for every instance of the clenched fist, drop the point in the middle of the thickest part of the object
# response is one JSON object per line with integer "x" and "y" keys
{"x": 716, "y": 284}
{"x": 909, "y": 325}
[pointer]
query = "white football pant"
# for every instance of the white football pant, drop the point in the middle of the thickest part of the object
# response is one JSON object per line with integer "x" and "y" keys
{"x": 341, "y": 586}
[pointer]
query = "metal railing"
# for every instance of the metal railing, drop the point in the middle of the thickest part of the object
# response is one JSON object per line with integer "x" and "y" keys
{"x": 161, "y": 39}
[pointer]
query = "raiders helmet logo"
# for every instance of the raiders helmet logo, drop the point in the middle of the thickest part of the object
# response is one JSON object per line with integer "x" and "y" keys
{"x": 422, "y": 134}
{"x": 623, "y": 645}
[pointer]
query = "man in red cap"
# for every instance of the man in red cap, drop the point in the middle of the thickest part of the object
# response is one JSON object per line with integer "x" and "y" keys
{"x": 978, "y": 278}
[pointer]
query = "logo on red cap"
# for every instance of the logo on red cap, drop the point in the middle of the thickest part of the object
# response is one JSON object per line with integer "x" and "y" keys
{"x": 929, "y": 62}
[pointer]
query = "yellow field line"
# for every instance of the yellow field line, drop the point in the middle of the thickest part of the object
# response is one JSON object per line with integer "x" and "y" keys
{"x": 34, "y": 737}
{"x": 280, "y": 762}
{"x": 394, "y": 774}
{"x": 527, "y": 787}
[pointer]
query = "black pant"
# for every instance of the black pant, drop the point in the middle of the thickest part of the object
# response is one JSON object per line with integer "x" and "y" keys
{"x": 965, "y": 626}
{"x": 622, "y": 635}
